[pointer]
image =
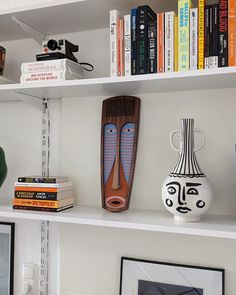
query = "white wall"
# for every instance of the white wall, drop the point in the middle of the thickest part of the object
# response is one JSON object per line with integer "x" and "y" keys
{"x": 90, "y": 256}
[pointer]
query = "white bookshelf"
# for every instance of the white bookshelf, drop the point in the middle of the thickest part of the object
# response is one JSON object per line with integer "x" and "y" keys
{"x": 152, "y": 83}
{"x": 147, "y": 220}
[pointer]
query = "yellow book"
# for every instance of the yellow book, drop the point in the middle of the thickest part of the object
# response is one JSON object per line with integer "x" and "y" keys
{"x": 183, "y": 34}
{"x": 176, "y": 61}
{"x": 201, "y": 11}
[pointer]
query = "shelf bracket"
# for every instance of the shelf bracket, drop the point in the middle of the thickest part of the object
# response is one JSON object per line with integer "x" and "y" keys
{"x": 34, "y": 101}
{"x": 32, "y": 32}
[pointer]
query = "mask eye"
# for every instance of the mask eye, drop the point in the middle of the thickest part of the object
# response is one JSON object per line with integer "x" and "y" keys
{"x": 171, "y": 190}
{"x": 192, "y": 191}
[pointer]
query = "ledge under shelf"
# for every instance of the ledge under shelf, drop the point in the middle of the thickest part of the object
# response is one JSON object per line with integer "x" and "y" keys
{"x": 148, "y": 220}
{"x": 132, "y": 85}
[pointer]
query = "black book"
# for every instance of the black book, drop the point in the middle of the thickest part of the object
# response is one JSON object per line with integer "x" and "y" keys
{"x": 215, "y": 37}
{"x": 152, "y": 47}
{"x": 145, "y": 15}
{"x": 223, "y": 33}
{"x": 206, "y": 37}
{"x": 42, "y": 208}
{"x": 133, "y": 41}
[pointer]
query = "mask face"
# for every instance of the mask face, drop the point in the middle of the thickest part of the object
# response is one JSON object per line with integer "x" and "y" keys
{"x": 186, "y": 197}
{"x": 3, "y": 167}
{"x": 120, "y": 122}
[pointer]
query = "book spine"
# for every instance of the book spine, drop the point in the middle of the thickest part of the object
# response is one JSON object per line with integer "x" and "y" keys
{"x": 48, "y": 76}
{"x": 211, "y": 44}
{"x": 113, "y": 43}
{"x": 44, "y": 185}
{"x": 152, "y": 47}
{"x": 134, "y": 41}
{"x": 50, "y": 196}
{"x": 122, "y": 51}
{"x": 36, "y": 189}
{"x": 223, "y": 32}
{"x": 161, "y": 43}
{"x": 127, "y": 44}
{"x": 176, "y": 44}
{"x": 183, "y": 10}
{"x": 215, "y": 38}
{"x": 118, "y": 47}
{"x": 36, "y": 203}
{"x": 142, "y": 46}
{"x": 37, "y": 180}
{"x": 193, "y": 39}
{"x": 52, "y": 65}
{"x": 19, "y": 207}
{"x": 206, "y": 38}
{"x": 232, "y": 30}
{"x": 201, "y": 17}
{"x": 169, "y": 41}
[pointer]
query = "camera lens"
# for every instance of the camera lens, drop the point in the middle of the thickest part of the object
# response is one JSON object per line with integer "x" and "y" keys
{"x": 52, "y": 45}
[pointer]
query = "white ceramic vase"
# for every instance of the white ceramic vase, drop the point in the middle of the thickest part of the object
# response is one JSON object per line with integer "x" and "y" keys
{"x": 187, "y": 192}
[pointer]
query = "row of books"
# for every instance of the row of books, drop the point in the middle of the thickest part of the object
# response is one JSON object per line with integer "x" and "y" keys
{"x": 51, "y": 70}
{"x": 52, "y": 194}
{"x": 145, "y": 42}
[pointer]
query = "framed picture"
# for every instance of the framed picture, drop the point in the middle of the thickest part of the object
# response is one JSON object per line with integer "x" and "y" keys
{"x": 143, "y": 277}
{"x": 7, "y": 234}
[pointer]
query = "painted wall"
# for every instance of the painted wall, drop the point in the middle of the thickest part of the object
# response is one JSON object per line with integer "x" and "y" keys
{"x": 90, "y": 256}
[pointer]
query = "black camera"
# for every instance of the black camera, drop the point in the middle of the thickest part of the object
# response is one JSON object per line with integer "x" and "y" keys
{"x": 53, "y": 49}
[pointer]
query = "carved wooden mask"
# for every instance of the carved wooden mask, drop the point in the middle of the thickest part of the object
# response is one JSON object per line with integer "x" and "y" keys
{"x": 120, "y": 124}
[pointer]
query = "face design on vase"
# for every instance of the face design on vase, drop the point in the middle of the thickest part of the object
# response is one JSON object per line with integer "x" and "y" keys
{"x": 185, "y": 197}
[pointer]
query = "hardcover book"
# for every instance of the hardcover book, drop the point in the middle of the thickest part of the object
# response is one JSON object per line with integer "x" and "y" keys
{"x": 223, "y": 31}
{"x": 193, "y": 38}
{"x": 161, "y": 42}
{"x": 127, "y": 44}
{"x": 169, "y": 41}
{"x": 183, "y": 11}
{"x": 232, "y": 32}
{"x": 206, "y": 37}
{"x": 201, "y": 17}
{"x": 145, "y": 15}
{"x": 114, "y": 16}
{"x": 133, "y": 41}
{"x": 215, "y": 59}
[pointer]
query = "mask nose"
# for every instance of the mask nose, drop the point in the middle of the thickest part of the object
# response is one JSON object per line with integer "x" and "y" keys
{"x": 182, "y": 197}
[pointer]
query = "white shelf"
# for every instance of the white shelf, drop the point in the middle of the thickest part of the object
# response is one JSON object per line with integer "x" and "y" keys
{"x": 152, "y": 83}
{"x": 211, "y": 226}
{"x": 66, "y": 16}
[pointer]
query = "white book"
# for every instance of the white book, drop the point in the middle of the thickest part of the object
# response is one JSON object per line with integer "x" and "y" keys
{"x": 64, "y": 64}
{"x": 169, "y": 41}
{"x": 193, "y": 38}
{"x": 66, "y": 184}
{"x": 114, "y": 15}
{"x": 49, "y": 76}
{"x": 127, "y": 46}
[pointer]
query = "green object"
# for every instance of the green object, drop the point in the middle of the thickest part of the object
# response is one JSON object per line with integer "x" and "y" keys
{"x": 3, "y": 167}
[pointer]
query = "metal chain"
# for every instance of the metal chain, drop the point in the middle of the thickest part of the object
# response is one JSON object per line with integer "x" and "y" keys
{"x": 45, "y": 224}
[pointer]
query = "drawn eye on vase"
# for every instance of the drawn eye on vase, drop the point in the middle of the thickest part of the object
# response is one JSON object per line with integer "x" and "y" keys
{"x": 187, "y": 192}
{"x": 120, "y": 123}
{"x": 3, "y": 167}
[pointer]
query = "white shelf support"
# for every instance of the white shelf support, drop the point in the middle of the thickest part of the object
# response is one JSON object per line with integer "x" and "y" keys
{"x": 34, "y": 101}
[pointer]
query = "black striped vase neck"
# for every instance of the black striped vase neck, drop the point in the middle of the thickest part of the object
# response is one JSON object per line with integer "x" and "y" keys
{"x": 187, "y": 165}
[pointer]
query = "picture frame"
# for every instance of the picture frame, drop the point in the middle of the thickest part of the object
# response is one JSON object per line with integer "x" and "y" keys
{"x": 7, "y": 244}
{"x": 144, "y": 277}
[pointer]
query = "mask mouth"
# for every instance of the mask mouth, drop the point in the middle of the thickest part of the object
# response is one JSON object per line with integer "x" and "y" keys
{"x": 117, "y": 202}
{"x": 183, "y": 210}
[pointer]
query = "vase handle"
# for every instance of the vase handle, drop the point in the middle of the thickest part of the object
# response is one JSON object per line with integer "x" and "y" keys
{"x": 203, "y": 139}
{"x": 171, "y": 140}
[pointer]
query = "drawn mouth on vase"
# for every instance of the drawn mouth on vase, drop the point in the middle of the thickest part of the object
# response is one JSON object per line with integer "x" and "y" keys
{"x": 183, "y": 209}
{"x": 116, "y": 202}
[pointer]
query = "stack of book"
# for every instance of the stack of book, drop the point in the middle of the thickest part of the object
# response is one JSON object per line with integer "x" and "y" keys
{"x": 43, "y": 193}
{"x": 146, "y": 42}
{"x": 51, "y": 70}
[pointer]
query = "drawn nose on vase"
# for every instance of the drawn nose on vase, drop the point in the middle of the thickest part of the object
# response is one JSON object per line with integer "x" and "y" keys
{"x": 187, "y": 192}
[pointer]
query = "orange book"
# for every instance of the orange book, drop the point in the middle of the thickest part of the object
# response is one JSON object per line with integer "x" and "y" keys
{"x": 161, "y": 42}
{"x": 43, "y": 203}
{"x": 37, "y": 189}
{"x": 231, "y": 33}
{"x": 118, "y": 47}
